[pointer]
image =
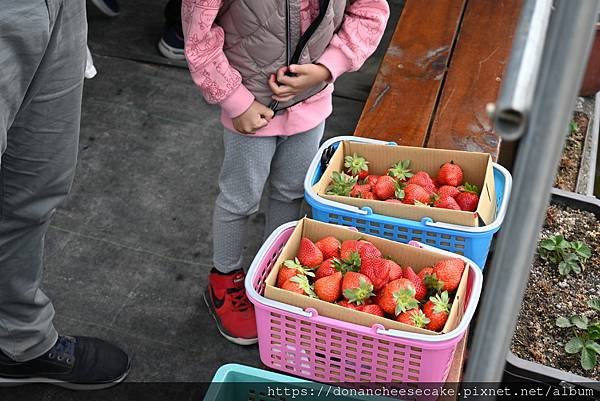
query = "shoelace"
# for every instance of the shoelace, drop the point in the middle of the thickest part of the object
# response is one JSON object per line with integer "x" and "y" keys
{"x": 239, "y": 300}
{"x": 64, "y": 349}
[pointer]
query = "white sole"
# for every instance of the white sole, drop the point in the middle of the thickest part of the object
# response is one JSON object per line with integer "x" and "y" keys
{"x": 105, "y": 10}
{"x": 10, "y": 382}
{"x": 235, "y": 340}
{"x": 168, "y": 51}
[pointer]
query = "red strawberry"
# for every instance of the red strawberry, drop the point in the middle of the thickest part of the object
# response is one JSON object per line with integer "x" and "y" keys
{"x": 329, "y": 246}
{"x": 426, "y": 271}
{"x": 372, "y": 309}
{"x": 413, "y": 194}
{"x": 446, "y": 275}
{"x": 414, "y": 317}
{"x": 348, "y": 304}
{"x": 366, "y": 250}
{"x": 393, "y": 200}
{"x": 299, "y": 285}
{"x": 446, "y": 202}
{"x": 289, "y": 269}
{"x": 468, "y": 198}
{"x": 398, "y": 296}
{"x": 327, "y": 268}
{"x": 423, "y": 180}
{"x": 420, "y": 288}
{"x": 357, "y": 288}
{"x": 385, "y": 187}
{"x": 371, "y": 180}
{"x": 377, "y": 270}
{"x": 329, "y": 288}
{"x": 400, "y": 171}
{"x": 348, "y": 247}
{"x": 360, "y": 190}
{"x": 356, "y": 165}
{"x": 450, "y": 174}
{"x": 447, "y": 190}
{"x": 395, "y": 270}
{"x": 437, "y": 310}
{"x": 308, "y": 253}
{"x": 370, "y": 196}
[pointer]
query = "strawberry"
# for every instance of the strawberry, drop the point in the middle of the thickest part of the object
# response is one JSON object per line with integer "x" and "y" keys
{"x": 420, "y": 288}
{"x": 289, "y": 269}
{"x": 413, "y": 194}
{"x": 392, "y": 200}
{"x": 341, "y": 184}
{"x": 370, "y": 196}
{"x": 366, "y": 250}
{"x": 377, "y": 270}
{"x": 426, "y": 271}
{"x": 446, "y": 275}
{"x": 468, "y": 198}
{"x": 398, "y": 296}
{"x": 348, "y": 304}
{"x": 447, "y": 190}
{"x": 329, "y": 288}
{"x": 400, "y": 171}
{"x": 395, "y": 270}
{"x": 437, "y": 310}
{"x": 423, "y": 180}
{"x": 327, "y": 268}
{"x": 299, "y": 285}
{"x": 348, "y": 247}
{"x": 450, "y": 174}
{"x": 360, "y": 190}
{"x": 356, "y": 165}
{"x": 329, "y": 246}
{"x": 414, "y": 317}
{"x": 371, "y": 180}
{"x": 357, "y": 288}
{"x": 372, "y": 309}
{"x": 446, "y": 202}
{"x": 385, "y": 187}
{"x": 309, "y": 254}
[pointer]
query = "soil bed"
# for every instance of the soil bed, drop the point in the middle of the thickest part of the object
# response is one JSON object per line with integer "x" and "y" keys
{"x": 566, "y": 178}
{"x": 550, "y": 295}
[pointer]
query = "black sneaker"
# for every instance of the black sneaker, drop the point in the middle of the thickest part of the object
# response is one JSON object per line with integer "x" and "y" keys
{"x": 77, "y": 363}
{"x": 109, "y": 8}
{"x": 171, "y": 44}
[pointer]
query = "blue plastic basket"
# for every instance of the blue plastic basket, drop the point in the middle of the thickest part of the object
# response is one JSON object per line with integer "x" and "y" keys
{"x": 472, "y": 242}
{"x": 234, "y": 382}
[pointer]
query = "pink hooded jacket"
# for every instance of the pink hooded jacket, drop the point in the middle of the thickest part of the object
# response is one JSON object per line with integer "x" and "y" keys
{"x": 358, "y": 37}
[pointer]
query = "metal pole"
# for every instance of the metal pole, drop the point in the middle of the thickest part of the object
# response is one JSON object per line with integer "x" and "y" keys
{"x": 518, "y": 86}
{"x": 565, "y": 53}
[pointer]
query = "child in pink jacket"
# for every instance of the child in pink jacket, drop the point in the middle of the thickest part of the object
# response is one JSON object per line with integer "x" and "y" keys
{"x": 270, "y": 65}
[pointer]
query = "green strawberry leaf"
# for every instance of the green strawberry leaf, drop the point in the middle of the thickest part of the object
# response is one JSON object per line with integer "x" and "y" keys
{"x": 563, "y": 322}
{"x": 594, "y": 331}
{"x": 580, "y": 321}
{"x": 548, "y": 244}
{"x": 581, "y": 249}
{"x": 564, "y": 268}
{"x": 592, "y": 346}
{"x": 594, "y": 304}
{"x": 574, "y": 345}
{"x": 588, "y": 359}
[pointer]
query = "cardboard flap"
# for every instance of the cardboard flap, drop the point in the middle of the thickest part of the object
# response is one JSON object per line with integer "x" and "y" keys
{"x": 487, "y": 198}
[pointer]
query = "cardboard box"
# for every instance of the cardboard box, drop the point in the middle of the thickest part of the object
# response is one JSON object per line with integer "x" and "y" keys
{"x": 477, "y": 169}
{"x": 404, "y": 255}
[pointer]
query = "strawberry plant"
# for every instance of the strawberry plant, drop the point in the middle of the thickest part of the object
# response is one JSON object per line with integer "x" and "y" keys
{"x": 585, "y": 334}
{"x": 570, "y": 256}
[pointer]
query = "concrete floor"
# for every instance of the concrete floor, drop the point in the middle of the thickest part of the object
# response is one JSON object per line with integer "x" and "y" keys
{"x": 127, "y": 255}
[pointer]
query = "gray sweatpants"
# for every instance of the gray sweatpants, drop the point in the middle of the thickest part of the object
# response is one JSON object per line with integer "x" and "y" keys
{"x": 249, "y": 161}
{"x": 42, "y": 58}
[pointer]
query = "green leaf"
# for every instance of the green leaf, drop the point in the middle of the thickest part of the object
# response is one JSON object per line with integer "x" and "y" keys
{"x": 574, "y": 345}
{"x": 580, "y": 321}
{"x": 573, "y": 127}
{"x": 581, "y": 249}
{"x": 564, "y": 268}
{"x": 548, "y": 244}
{"x": 588, "y": 359}
{"x": 594, "y": 331}
{"x": 562, "y": 243}
{"x": 594, "y": 304}
{"x": 563, "y": 322}
{"x": 592, "y": 346}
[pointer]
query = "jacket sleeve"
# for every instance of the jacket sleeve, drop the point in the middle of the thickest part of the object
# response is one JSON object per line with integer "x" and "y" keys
{"x": 219, "y": 82}
{"x": 358, "y": 37}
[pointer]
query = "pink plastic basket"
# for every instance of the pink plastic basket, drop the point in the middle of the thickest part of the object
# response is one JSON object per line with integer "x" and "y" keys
{"x": 302, "y": 343}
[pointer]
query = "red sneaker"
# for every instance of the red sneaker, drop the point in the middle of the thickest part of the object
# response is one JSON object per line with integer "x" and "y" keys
{"x": 226, "y": 299}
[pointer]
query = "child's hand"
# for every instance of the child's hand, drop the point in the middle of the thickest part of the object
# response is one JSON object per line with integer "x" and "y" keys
{"x": 305, "y": 76}
{"x": 256, "y": 117}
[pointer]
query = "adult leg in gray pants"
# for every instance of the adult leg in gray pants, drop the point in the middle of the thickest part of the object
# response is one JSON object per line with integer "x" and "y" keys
{"x": 42, "y": 57}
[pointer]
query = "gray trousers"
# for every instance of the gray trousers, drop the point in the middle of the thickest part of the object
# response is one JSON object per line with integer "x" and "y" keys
{"x": 249, "y": 161}
{"x": 42, "y": 58}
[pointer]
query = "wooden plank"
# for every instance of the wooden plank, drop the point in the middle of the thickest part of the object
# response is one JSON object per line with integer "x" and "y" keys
{"x": 401, "y": 103}
{"x": 474, "y": 78}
